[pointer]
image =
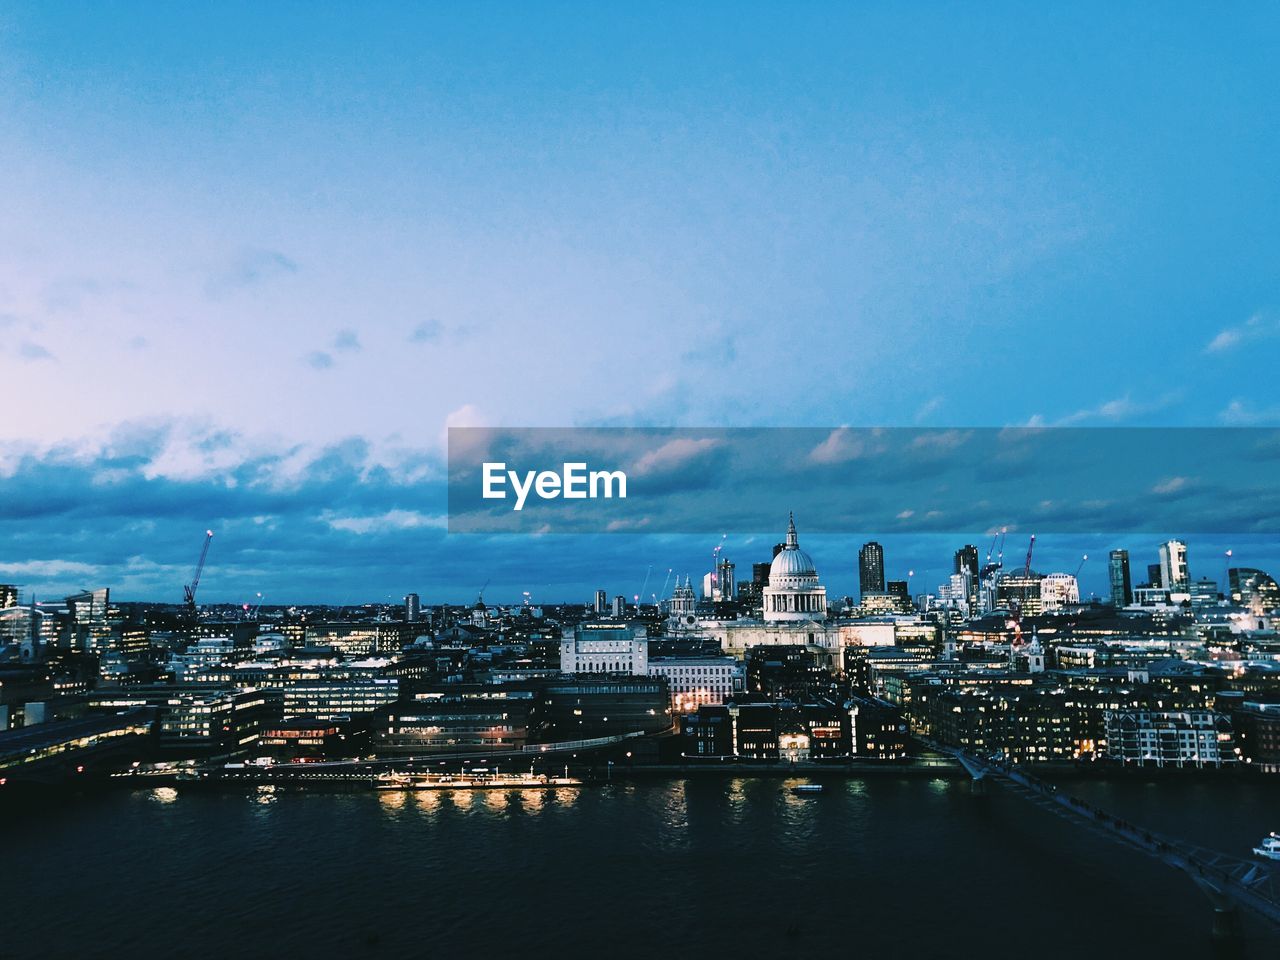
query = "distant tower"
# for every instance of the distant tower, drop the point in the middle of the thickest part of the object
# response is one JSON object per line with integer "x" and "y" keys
{"x": 871, "y": 568}
{"x": 1121, "y": 584}
{"x": 619, "y": 606}
{"x": 412, "y": 607}
{"x": 1173, "y": 566}
{"x": 966, "y": 560}
{"x": 602, "y": 602}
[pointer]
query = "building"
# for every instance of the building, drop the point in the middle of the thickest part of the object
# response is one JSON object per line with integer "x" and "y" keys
{"x": 8, "y": 595}
{"x": 1173, "y": 566}
{"x": 412, "y": 608}
{"x": 587, "y": 707}
{"x": 1023, "y": 588}
{"x": 619, "y": 607}
{"x": 605, "y": 648}
{"x": 302, "y": 739}
{"x": 1257, "y": 730}
{"x": 359, "y": 639}
{"x": 459, "y": 718}
{"x": 1249, "y": 587}
{"x": 98, "y": 743}
{"x": 1058, "y": 590}
{"x": 870, "y": 569}
{"x": 794, "y": 593}
{"x": 1168, "y": 738}
{"x": 601, "y": 605}
{"x": 698, "y": 681}
{"x": 1121, "y": 582}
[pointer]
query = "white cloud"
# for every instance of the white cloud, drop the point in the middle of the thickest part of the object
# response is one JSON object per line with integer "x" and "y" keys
{"x": 1257, "y": 327}
{"x": 389, "y": 522}
{"x": 672, "y": 454}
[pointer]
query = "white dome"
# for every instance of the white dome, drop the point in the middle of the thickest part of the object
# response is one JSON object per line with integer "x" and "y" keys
{"x": 791, "y": 563}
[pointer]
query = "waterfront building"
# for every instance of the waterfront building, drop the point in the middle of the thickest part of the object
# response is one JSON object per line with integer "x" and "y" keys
{"x": 1168, "y": 738}
{"x": 699, "y": 680}
{"x": 1257, "y": 731}
{"x": 459, "y": 718}
{"x": 590, "y": 706}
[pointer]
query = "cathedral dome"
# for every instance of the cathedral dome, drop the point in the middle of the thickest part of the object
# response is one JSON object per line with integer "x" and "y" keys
{"x": 791, "y": 562}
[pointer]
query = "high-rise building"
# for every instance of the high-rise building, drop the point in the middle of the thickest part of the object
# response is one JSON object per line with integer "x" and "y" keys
{"x": 900, "y": 591}
{"x": 412, "y": 607}
{"x": 966, "y": 564}
{"x": 1173, "y": 566}
{"x": 1154, "y": 577}
{"x": 1250, "y": 586}
{"x": 8, "y": 595}
{"x": 1121, "y": 583}
{"x": 602, "y": 602}
{"x": 718, "y": 585}
{"x": 619, "y": 606}
{"x": 871, "y": 568}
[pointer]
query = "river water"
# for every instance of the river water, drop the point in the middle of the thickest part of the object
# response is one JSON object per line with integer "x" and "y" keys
{"x": 882, "y": 866}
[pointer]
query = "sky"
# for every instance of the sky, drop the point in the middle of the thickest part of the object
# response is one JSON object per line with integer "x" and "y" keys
{"x": 255, "y": 261}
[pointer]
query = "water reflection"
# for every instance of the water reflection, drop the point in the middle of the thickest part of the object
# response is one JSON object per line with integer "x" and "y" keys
{"x": 164, "y": 794}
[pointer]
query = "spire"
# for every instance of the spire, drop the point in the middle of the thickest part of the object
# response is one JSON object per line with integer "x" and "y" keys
{"x": 793, "y": 542}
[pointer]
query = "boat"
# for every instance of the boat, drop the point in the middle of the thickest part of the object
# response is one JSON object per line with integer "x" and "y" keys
{"x": 807, "y": 788}
{"x": 1269, "y": 848}
{"x": 475, "y": 780}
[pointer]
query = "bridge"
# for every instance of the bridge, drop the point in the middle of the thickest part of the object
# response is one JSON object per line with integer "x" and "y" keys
{"x": 1228, "y": 882}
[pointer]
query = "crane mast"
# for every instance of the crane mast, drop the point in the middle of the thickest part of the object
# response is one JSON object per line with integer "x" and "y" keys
{"x": 189, "y": 591}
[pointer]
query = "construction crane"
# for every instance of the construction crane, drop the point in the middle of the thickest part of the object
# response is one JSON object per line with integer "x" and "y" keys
{"x": 1080, "y": 566}
{"x": 189, "y": 591}
{"x": 1026, "y": 568}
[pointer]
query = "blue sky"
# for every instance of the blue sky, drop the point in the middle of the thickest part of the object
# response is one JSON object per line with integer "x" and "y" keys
{"x": 255, "y": 260}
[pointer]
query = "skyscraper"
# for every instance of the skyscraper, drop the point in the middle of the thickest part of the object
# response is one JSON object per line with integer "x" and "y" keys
{"x": 602, "y": 602}
{"x": 871, "y": 568}
{"x": 412, "y": 607}
{"x": 966, "y": 561}
{"x": 1153, "y": 575}
{"x": 1121, "y": 584}
{"x": 1173, "y": 566}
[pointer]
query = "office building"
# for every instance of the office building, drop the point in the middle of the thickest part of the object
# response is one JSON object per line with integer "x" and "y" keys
{"x": 1121, "y": 582}
{"x": 1173, "y": 566}
{"x": 871, "y": 569}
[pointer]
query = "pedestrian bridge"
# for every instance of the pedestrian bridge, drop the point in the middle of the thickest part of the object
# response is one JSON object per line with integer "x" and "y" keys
{"x": 1229, "y": 882}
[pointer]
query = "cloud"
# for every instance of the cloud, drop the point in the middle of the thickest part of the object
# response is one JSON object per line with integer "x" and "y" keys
{"x": 426, "y": 332}
{"x": 391, "y": 520}
{"x": 249, "y": 268}
{"x": 1239, "y": 413}
{"x": 1170, "y": 486}
{"x": 840, "y": 446}
{"x": 674, "y": 455}
{"x": 30, "y": 350}
{"x": 928, "y": 409}
{"x": 45, "y": 569}
{"x": 319, "y": 359}
{"x": 347, "y": 341}
{"x": 1257, "y": 327}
